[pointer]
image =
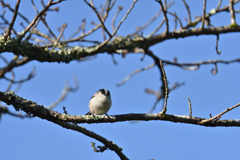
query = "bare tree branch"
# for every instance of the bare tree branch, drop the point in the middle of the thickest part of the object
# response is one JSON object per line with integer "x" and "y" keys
{"x": 4, "y": 110}
{"x": 204, "y": 12}
{"x": 219, "y": 115}
{"x": 190, "y": 107}
{"x": 49, "y": 115}
{"x": 135, "y": 72}
{"x": 30, "y": 76}
{"x": 50, "y": 3}
{"x": 64, "y": 93}
{"x": 8, "y": 33}
{"x": 232, "y": 11}
{"x": 62, "y": 119}
{"x": 159, "y": 95}
{"x": 189, "y": 13}
{"x": 164, "y": 9}
{"x": 13, "y": 64}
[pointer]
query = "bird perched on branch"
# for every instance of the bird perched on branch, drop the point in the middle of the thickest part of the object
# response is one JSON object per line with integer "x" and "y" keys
{"x": 100, "y": 103}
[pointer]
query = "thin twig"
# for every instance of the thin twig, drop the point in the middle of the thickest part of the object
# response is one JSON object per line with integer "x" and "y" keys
{"x": 115, "y": 17}
{"x": 190, "y": 107}
{"x": 13, "y": 75}
{"x": 161, "y": 24}
{"x": 189, "y": 13}
{"x": 218, "y": 51}
{"x": 43, "y": 19}
{"x": 231, "y": 8}
{"x": 177, "y": 18}
{"x": 114, "y": 33}
{"x": 99, "y": 17}
{"x": 50, "y": 3}
{"x": 164, "y": 77}
{"x": 53, "y": 3}
{"x": 129, "y": 10}
{"x": 8, "y": 33}
{"x": 215, "y": 69}
{"x": 13, "y": 10}
{"x": 64, "y": 26}
{"x": 164, "y": 87}
{"x": 201, "y": 62}
{"x": 219, "y": 4}
{"x": 164, "y": 9}
{"x": 83, "y": 26}
{"x": 211, "y": 13}
{"x": 10, "y": 84}
{"x": 219, "y": 115}
{"x": 151, "y": 20}
{"x": 6, "y": 22}
{"x": 13, "y": 64}
{"x": 34, "y": 6}
{"x": 30, "y": 76}
{"x": 135, "y": 72}
{"x": 76, "y": 32}
{"x": 204, "y": 12}
{"x": 159, "y": 95}
{"x": 65, "y": 92}
{"x": 101, "y": 148}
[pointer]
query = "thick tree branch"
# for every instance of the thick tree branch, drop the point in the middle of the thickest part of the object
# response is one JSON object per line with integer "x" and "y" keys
{"x": 43, "y": 54}
{"x": 4, "y": 110}
{"x": 34, "y": 109}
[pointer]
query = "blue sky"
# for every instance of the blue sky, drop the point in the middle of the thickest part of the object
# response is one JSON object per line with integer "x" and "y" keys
{"x": 39, "y": 139}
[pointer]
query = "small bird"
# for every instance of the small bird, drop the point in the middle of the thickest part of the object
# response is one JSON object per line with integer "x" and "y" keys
{"x": 100, "y": 103}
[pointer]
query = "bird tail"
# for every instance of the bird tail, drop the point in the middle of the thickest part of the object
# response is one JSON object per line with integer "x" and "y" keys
{"x": 89, "y": 113}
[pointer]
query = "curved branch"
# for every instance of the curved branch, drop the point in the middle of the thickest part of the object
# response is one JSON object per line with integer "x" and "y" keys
{"x": 109, "y": 144}
{"x": 30, "y": 76}
{"x": 13, "y": 64}
{"x": 38, "y": 110}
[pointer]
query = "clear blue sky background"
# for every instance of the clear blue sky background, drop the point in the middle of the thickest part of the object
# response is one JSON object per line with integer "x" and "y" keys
{"x": 39, "y": 139}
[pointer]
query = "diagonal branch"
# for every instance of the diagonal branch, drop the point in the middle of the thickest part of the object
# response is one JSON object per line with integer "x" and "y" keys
{"x": 189, "y": 13}
{"x": 164, "y": 9}
{"x": 135, "y": 72}
{"x": 32, "y": 108}
{"x": 50, "y": 3}
{"x": 151, "y": 20}
{"x": 99, "y": 17}
{"x": 217, "y": 117}
{"x": 8, "y": 33}
{"x": 109, "y": 144}
{"x": 120, "y": 23}
{"x": 64, "y": 93}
